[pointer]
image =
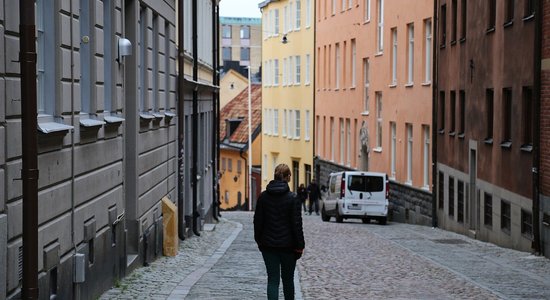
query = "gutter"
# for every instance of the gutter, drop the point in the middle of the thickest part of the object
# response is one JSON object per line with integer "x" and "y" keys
{"x": 435, "y": 81}
{"x": 181, "y": 116}
{"x": 246, "y": 177}
{"x": 217, "y": 112}
{"x": 215, "y": 104}
{"x": 536, "y": 245}
{"x": 29, "y": 171}
{"x": 195, "y": 142}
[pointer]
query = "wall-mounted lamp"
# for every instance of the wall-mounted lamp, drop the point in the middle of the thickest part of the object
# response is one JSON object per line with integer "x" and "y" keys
{"x": 124, "y": 49}
{"x": 284, "y": 40}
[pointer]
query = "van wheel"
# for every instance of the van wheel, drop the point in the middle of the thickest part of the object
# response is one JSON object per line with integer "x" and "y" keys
{"x": 324, "y": 215}
{"x": 339, "y": 218}
{"x": 366, "y": 220}
{"x": 383, "y": 220}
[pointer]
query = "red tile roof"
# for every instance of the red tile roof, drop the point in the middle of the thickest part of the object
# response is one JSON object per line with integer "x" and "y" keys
{"x": 238, "y": 108}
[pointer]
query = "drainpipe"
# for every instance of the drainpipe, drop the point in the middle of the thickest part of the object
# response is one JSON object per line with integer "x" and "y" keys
{"x": 435, "y": 82}
{"x": 215, "y": 104}
{"x": 29, "y": 172}
{"x": 314, "y": 86}
{"x": 181, "y": 117}
{"x": 536, "y": 134}
{"x": 217, "y": 109}
{"x": 241, "y": 152}
{"x": 194, "y": 178}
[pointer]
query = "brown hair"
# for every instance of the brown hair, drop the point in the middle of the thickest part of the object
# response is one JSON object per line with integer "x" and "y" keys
{"x": 282, "y": 172}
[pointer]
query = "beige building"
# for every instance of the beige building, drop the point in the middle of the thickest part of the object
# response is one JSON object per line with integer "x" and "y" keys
{"x": 231, "y": 85}
{"x": 241, "y": 42}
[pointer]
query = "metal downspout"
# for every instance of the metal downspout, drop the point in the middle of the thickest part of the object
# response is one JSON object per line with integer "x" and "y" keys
{"x": 536, "y": 135}
{"x": 29, "y": 171}
{"x": 194, "y": 172}
{"x": 435, "y": 82}
{"x": 214, "y": 110}
{"x": 181, "y": 117}
{"x": 218, "y": 110}
{"x": 241, "y": 152}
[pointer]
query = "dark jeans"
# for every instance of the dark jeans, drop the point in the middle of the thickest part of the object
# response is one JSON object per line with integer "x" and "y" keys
{"x": 304, "y": 204}
{"x": 279, "y": 265}
{"x": 311, "y": 204}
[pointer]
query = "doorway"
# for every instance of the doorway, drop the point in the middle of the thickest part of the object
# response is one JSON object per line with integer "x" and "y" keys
{"x": 473, "y": 193}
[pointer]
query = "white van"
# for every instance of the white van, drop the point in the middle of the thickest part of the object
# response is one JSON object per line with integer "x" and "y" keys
{"x": 356, "y": 194}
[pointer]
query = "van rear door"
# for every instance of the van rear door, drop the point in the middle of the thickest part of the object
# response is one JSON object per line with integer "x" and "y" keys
{"x": 366, "y": 192}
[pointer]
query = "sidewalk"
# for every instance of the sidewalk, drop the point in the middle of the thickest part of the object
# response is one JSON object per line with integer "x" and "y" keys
{"x": 220, "y": 264}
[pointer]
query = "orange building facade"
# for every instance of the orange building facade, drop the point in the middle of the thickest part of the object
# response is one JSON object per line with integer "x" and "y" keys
{"x": 373, "y": 94}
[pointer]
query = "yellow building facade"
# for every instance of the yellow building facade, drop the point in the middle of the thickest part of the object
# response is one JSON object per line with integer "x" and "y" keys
{"x": 287, "y": 88}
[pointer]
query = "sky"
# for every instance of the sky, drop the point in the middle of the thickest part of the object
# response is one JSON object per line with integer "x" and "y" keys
{"x": 240, "y": 8}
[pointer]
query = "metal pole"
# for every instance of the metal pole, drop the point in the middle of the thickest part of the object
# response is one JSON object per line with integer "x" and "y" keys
{"x": 249, "y": 141}
{"x": 181, "y": 117}
{"x": 195, "y": 173}
{"x": 29, "y": 173}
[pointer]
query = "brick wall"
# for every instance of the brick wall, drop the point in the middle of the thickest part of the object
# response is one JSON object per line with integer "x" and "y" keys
{"x": 545, "y": 101}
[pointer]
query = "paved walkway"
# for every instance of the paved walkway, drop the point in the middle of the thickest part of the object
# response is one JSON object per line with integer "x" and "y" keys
{"x": 343, "y": 261}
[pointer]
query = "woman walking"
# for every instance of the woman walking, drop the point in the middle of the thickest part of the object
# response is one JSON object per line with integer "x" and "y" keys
{"x": 278, "y": 232}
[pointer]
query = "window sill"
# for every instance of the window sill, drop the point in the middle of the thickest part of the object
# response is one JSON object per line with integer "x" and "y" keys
{"x": 441, "y": 131}
{"x": 53, "y": 127}
{"x": 88, "y": 123}
{"x": 529, "y": 18}
{"x": 490, "y": 30}
{"x": 442, "y": 46}
{"x": 453, "y": 42}
{"x": 379, "y": 53}
{"x": 336, "y": 89}
{"x": 365, "y": 113}
{"x": 366, "y": 22}
{"x": 452, "y": 133}
{"x": 114, "y": 120}
{"x": 392, "y": 85}
{"x": 461, "y": 136}
{"x": 158, "y": 115}
{"x": 462, "y": 40}
{"x": 426, "y": 83}
{"x": 506, "y": 145}
{"x": 526, "y": 148}
{"x": 307, "y": 139}
{"x": 169, "y": 114}
{"x": 296, "y": 138}
{"x": 409, "y": 85}
{"x": 377, "y": 149}
{"x": 307, "y": 83}
{"x": 426, "y": 187}
{"x": 146, "y": 117}
{"x": 508, "y": 24}
{"x": 488, "y": 141}
{"x": 408, "y": 182}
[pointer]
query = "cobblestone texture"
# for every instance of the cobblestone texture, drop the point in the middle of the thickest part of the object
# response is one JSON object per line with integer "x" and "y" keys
{"x": 345, "y": 261}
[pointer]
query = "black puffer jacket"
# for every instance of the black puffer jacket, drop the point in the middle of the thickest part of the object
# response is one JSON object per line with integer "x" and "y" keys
{"x": 278, "y": 219}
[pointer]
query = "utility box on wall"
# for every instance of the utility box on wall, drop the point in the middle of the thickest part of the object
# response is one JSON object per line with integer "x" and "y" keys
{"x": 170, "y": 225}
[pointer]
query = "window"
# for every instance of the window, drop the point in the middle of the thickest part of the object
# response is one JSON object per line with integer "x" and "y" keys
{"x": 298, "y": 14}
{"x": 245, "y": 32}
{"x": 409, "y": 152}
{"x": 308, "y": 67}
{"x": 505, "y": 216}
{"x": 427, "y": 162}
{"x": 306, "y": 133}
{"x": 528, "y": 124}
{"x": 463, "y": 23}
{"x": 509, "y": 12}
{"x": 526, "y": 224}
{"x": 451, "y": 196}
{"x": 491, "y": 15}
{"x": 308, "y": 13}
{"x": 428, "y": 51}
{"x": 143, "y": 74}
{"x": 290, "y": 12}
{"x": 353, "y": 58}
{"x": 286, "y": 20}
{"x": 529, "y": 9}
{"x": 297, "y": 124}
{"x": 331, "y": 138}
{"x": 394, "y": 56}
{"x": 393, "y": 148}
{"x": 367, "y": 10}
{"x": 284, "y": 72}
{"x": 455, "y": 21}
{"x": 276, "y": 122}
{"x": 276, "y": 20}
{"x": 348, "y": 143}
{"x": 489, "y": 117}
{"x": 87, "y": 80}
{"x": 378, "y": 119}
{"x": 276, "y": 72}
{"x": 441, "y": 113}
{"x": 443, "y": 25}
{"x": 344, "y": 4}
{"x": 226, "y": 31}
{"x": 441, "y": 190}
{"x": 229, "y": 165}
{"x": 462, "y": 118}
{"x": 245, "y": 54}
{"x": 290, "y": 123}
{"x": 226, "y": 53}
{"x": 155, "y": 58}
{"x": 380, "y": 28}
{"x": 298, "y": 69}
{"x": 264, "y": 168}
{"x": 488, "y": 210}
{"x": 366, "y": 84}
{"x": 284, "y": 122}
{"x": 239, "y": 167}
{"x": 460, "y": 202}
{"x": 337, "y": 65}
{"x": 507, "y": 116}
{"x": 108, "y": 59}
{"x": 410, "y": 65}
{"x": 223, "y": 164}
{"x": 333, "y": 7}
{"x": 342, "y": 141}
{"x": 453, "y": 112}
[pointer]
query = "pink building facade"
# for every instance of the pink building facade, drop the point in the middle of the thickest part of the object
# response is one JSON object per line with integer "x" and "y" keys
{"x": 373, "y": 102}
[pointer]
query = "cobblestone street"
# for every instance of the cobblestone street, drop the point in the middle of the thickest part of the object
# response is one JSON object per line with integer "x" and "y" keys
{"x": 343, "y": 261}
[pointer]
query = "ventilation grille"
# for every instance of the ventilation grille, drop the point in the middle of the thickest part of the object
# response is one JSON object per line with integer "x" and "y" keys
{"x": 20, "y": 264}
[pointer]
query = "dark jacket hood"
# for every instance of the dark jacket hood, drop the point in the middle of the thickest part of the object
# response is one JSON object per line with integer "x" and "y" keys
{"x": 277, "y": 187}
